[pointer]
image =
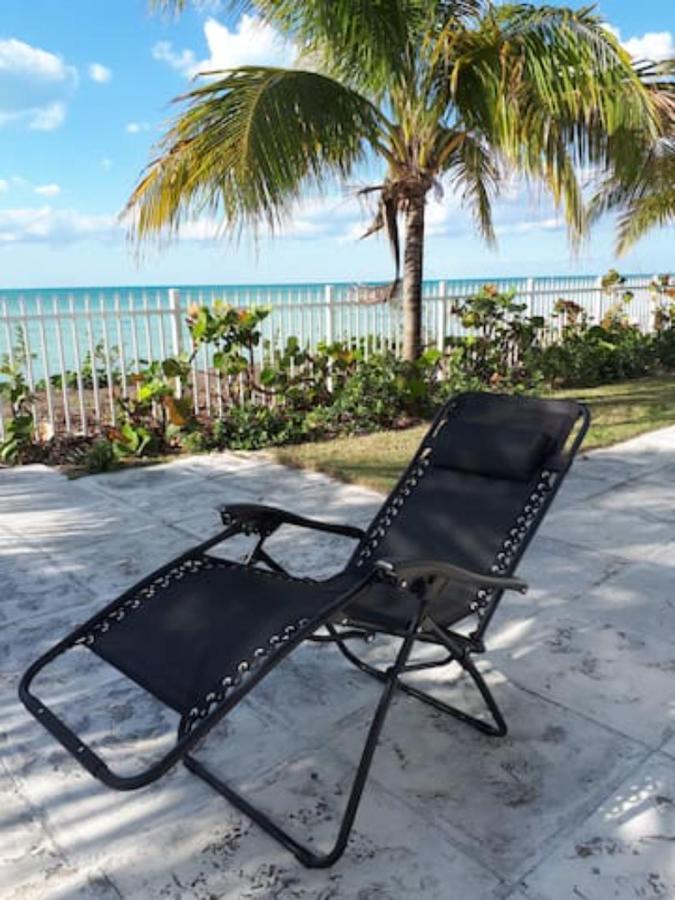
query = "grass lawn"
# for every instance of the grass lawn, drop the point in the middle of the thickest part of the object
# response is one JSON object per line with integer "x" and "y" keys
{"x": 619, "y": 411}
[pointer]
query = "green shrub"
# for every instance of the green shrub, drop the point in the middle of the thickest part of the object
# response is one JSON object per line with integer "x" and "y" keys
{"x": 100, "y": 457}
{"x": 252, "y": 427}
{"x": 503, "y": 342}
{"x": 587, "y": 356}
{"x": 16, "y": 447}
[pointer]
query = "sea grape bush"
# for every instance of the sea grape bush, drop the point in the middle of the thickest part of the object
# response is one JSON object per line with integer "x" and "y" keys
{"x": 17, "y": 443}
{"x": 503, "y": 341}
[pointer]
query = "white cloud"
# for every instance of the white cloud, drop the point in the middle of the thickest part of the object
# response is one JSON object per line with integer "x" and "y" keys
{"x": 447, "y": 217}
{"x": 35, "y": 86}
{"x": 183, "y": 62}
{"x": 48, "y": 190}
{"x": 251, "y": 42}
{"x": 99, "y": 73}
{"x": 442, "y": 214}
{"x": 4, "y": 185}
{"x": 18, "y": 56}
{"x": 310, "y": 219}
{"x": 47, "y": 225}
{"x": 338, "y": 216}
{"x": 553, "y": 223}
{"x": 205, "y": 229}
{"x": 136, "y": 127}
{"x": 653, "y": 45}
{"x": 49, "y": 117}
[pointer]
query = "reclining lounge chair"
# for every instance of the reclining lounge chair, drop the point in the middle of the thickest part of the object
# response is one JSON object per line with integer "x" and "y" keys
{"x": 201, "y": 632}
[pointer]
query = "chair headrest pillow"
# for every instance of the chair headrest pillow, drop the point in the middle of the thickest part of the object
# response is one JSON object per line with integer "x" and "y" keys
{"x": 504, "y": 452}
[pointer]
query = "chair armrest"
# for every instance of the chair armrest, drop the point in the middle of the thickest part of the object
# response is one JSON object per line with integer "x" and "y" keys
{"x": 410, "y": 570}
{"x": 252, "y": 518}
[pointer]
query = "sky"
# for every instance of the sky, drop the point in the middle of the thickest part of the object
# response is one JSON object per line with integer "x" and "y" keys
{"x": 85, "y": 93}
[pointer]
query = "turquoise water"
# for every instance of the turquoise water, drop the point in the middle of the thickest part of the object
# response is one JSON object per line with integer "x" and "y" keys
{"x": 236, "y": 294}
{"x": 63, "y": 325}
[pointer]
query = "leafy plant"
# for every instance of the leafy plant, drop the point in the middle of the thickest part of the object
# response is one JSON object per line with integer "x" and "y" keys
{"x": 98, "y": 364}
{"x": 99, "y": 457}
{"x": 663, "y": 292}
{"x": 145, "y": 417}
{"x": 251, "y": 427}
{"x": 233, "y": 334}
{"x": 502, "y": 340}
{"x": 587, "y": 355}
{"x": 19, "y": 428}
{"x": 14, "y": 389}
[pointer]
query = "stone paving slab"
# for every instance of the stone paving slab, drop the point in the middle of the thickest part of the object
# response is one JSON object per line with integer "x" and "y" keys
{"x": 612, "y": 675}
{"x": 500, "y": 800}
{"x": 222, "y": 855}
{"x": 669, "y": 746}
{"x": 624, "y": 850}
{"x": 575, "y": 802}
{"x": 638, "y": 598}
{"x": 628, "y": 535}
{"x": 33, "y": 585}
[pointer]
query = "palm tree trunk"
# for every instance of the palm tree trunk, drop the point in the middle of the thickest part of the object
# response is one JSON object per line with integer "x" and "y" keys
{"x": 412, "y": 278}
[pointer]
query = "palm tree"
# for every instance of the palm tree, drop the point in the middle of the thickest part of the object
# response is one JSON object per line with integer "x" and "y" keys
{"x": 645, "y": 194}
{"x": 444, "y": 94}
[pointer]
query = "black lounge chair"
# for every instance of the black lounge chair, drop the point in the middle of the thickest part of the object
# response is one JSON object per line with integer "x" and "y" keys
{"x": 201, "y": 632}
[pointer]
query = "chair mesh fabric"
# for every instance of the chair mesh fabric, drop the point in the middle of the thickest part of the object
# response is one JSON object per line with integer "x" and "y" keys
{"x": 463, "y": 517}
{"x": 180, "y": 643}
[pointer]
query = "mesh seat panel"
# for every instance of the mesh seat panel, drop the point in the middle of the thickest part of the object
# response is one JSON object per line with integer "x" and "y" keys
{"x": 181, "y": 641}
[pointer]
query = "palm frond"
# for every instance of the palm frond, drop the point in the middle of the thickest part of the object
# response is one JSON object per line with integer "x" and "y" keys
{"x": 644, "y": 195}
{"x": 642, "y": 215}
{"x": 475, "y": 172}
{"x": 248, "y": 144}
{"x": 645, "y": 201}
{"x": 364, "y": 43}
{"x": 386, "y": 219}
{"x": 550, "y": 90}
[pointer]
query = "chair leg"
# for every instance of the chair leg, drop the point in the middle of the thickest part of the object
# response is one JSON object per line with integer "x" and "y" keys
{"x": 303, "y": 853}
{"x": 498, "y": 729}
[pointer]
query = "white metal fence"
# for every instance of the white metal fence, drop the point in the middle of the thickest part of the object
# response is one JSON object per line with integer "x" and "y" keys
{"x": 80, "y": 349}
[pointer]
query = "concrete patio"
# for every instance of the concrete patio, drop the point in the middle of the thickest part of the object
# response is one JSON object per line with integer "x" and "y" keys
{"x": 577, "y": 802}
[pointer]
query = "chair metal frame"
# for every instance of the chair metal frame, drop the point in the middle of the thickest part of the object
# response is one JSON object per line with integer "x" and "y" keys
{"x": 422, "y": 580}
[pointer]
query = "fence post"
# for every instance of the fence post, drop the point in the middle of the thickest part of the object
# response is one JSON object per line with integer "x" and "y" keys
{"x": 529, "y": 297}
{"x": 651, "y": 304}
{"x": 329, "y": 300}
{"x": 598, "y": 300}
{"x": 176, "y": 329}
{"x": 442, "y": 314}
